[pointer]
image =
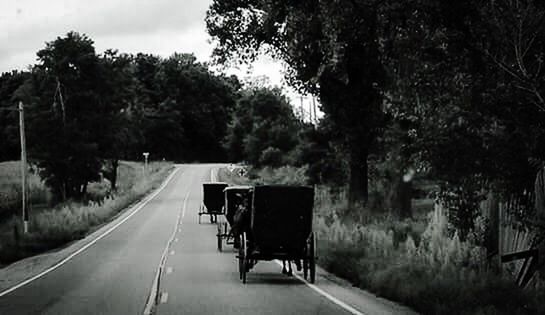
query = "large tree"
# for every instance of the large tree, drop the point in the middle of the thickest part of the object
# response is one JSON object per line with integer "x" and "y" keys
{"x": 69, "y": 114}
{"x": 331, "y": 49}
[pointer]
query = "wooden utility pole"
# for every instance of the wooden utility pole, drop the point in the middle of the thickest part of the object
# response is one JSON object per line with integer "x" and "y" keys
{"x": 23, "y": 166}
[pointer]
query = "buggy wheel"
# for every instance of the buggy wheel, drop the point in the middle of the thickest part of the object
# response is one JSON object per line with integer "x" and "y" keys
{"x": 305, "y": 267}
{"x": 219, "y": 236}
{"x": 312, "y": 258}
{"x": 243, "y": 257}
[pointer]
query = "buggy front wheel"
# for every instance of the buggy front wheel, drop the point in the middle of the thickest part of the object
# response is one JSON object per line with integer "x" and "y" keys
{"x": 305, "y": 267}
{"x": 243, "y": 257}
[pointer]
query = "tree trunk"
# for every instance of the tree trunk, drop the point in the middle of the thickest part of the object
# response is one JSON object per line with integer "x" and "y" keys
{"x": 358, "y": 186}
{"x": 398, "y": 198}
{"x": 402, "y": 198}
{"x": 113, "y": 177}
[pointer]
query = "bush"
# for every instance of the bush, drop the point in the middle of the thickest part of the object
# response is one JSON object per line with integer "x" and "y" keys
{"x": 286, "y": 175}
{"x": 271, "y": 157}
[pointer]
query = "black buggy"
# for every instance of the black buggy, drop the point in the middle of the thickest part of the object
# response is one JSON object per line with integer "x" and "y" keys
{"x": 212, "y": 203}
{"x": 236, "y": 197}
{"x": 280, "y": 227}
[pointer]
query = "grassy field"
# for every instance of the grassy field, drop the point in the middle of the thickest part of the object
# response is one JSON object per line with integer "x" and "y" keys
{"x": 51, "y": 227}
{"x": 414, "y": 261}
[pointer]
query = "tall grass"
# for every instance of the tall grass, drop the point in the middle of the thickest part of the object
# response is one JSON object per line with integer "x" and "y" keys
{"x": 71, "y": 221}
{"x": 421, "y": 266}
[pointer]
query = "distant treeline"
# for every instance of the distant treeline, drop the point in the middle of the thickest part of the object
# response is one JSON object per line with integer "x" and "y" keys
{"x": 85, "y": 111}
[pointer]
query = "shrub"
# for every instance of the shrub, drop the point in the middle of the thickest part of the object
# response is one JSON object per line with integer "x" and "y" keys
{"x": 432, "y": 270}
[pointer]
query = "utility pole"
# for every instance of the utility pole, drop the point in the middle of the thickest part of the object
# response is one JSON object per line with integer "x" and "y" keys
{"x": 23, "y": 166}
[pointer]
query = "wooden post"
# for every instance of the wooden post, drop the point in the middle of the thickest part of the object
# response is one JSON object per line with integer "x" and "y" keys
{"x": 500, "y": 235}
{"x": 23, "y": 166}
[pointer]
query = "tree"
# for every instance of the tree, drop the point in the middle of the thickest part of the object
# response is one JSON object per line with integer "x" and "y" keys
{"x": 118, "y": 92}
{"x": 194, "y": 105}
{"x": 263, "y": 129}
{"x": 67, "y": 117}
{"x": 331, "y": 50}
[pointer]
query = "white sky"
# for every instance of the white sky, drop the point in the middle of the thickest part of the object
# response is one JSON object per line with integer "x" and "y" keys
{"x": 159, "y": 27}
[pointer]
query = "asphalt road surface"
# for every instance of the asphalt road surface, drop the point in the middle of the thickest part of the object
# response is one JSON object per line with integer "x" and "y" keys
{"x": 117, "y": 274}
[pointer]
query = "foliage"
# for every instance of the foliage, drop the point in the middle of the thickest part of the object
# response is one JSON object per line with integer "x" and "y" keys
{"x": 68, "y": 115}
{"x": 85, "y": 112}
{"x": 330, "y": 49}
{"x": 263, "y": 129}
{"x": 451, "y": 91}
{"x": 9, "y": 116}
{"x": 418, "y": 265}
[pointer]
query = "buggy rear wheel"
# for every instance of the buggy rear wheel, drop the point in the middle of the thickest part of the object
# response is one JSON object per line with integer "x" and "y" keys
{"x": 246, "y": 260}
{"x": 219, "y": 237}
{"x": 312, "y": 258}
{"x": 305, "y": 267}
{"x": 242, "y": 257}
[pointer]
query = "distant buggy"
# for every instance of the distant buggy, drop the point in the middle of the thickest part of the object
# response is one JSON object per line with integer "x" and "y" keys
{"x": 212, "y": 203}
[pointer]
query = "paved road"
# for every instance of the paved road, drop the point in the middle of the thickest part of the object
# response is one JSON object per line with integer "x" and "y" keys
{"x": 115, "y": 275}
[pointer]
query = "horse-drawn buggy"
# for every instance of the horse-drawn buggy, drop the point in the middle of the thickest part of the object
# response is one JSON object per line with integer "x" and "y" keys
{"x": 279, "y": 226}
{"x": 212, "y": 204}
{"x": 237, "y": 198}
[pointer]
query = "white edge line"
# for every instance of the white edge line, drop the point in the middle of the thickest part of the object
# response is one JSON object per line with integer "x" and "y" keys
{"x": 135, "y": 210}
{"x": 326, "y": 295}
{"x": 152, "y": 298}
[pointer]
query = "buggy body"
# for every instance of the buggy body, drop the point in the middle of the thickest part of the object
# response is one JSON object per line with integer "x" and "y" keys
{"x": 280, "y": 228}
{"x": 212, "y": 203}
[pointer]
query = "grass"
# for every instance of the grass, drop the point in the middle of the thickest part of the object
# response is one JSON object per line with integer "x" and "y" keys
{"x": 59, "y": 225}
{"x": 415, "y": 261}
{"x": 10, "y": 189}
